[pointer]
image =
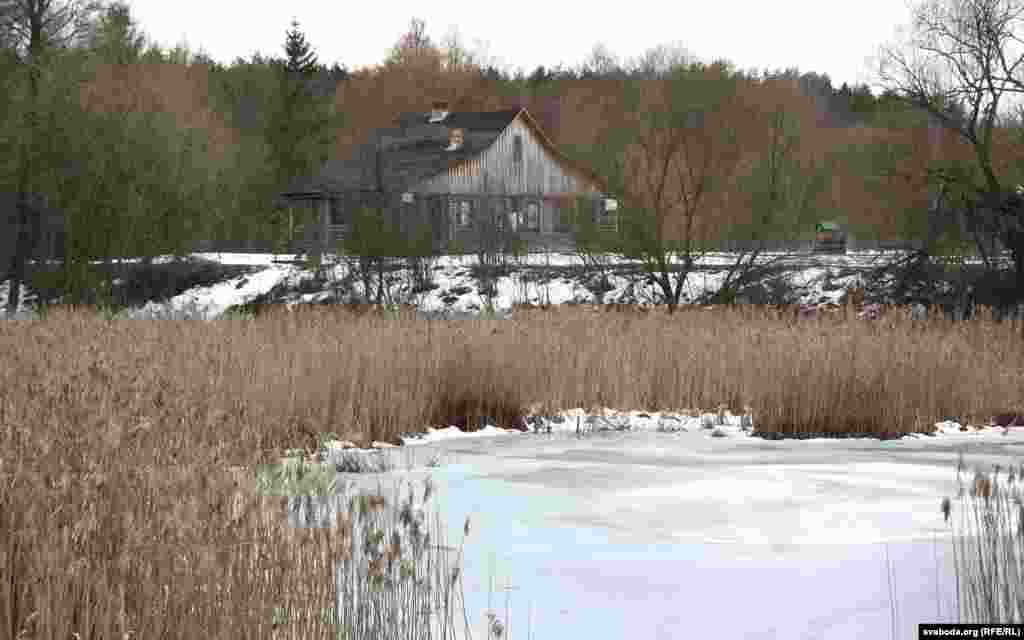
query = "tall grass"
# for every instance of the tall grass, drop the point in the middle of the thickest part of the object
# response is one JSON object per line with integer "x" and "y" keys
{"x": 989, "y": 549}
{"x": 130, "y": 505}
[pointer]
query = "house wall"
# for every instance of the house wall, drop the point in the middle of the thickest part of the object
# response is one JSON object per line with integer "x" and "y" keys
{"x": 496, "y": 170}
{"x": 537, "y": 174}
{"x": 536, "y": 177}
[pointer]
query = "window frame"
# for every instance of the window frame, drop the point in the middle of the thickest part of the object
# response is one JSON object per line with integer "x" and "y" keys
{"x": 336, "y": 209}
{"x": 499, "y": 209}
{"x": 460, "y": 212}
{"x": 532, "y": 225}
{"x": 604, "y": 216}
{"x": 513, "y": 211}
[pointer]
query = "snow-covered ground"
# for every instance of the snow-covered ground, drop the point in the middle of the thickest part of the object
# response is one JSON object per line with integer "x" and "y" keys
{"x": 452, "y": 275}
{"x": 653, "y": 526}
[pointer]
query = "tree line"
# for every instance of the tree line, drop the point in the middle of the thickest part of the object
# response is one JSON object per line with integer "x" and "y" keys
{"x": 146, "y": 150}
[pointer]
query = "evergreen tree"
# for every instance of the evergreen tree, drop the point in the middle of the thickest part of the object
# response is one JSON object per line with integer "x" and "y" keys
{"x": 301, "y": 58}
{"x": 301, "y": 129}
{"x": 539, "y": 76}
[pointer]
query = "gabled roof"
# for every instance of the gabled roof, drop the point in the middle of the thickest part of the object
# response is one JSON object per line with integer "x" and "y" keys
{"x": 550, "y": 146}
{"x": 337, "y": 175}
{"x": 416, "y": 151}
{"x": 475, "y": 120}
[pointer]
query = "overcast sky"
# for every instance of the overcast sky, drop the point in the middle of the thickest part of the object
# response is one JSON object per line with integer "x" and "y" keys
{"x": 824, "y": 36}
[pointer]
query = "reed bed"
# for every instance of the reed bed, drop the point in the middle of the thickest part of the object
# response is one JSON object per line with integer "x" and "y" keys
{"x": 989, "y": 545}
{"x": 127, "y": 503}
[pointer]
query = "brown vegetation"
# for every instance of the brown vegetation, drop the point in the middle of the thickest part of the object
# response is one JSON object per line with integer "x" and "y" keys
{"x": 596, "y": 105}
{"x": 160, "y": 88}
{"x": 118, "y": 435}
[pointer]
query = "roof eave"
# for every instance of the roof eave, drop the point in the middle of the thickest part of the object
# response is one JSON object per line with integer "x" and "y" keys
{"x": 302, "y": 194}
{"x": 552, "y": 148}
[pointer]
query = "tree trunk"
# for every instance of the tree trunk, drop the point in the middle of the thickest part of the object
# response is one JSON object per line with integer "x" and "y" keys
{"x": 26, "y": 170}
{"x": 1018, "y": 262}
{"x": 24, "y": 242}
{"x": 21, "y": 253}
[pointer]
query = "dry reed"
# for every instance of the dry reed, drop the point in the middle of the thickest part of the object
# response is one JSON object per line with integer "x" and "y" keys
{"x": 120, "y": 513}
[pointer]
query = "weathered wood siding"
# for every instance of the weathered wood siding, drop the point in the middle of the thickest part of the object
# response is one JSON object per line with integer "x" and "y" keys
{"x": 496, "y": 171}
{"x": 508, "y": 176}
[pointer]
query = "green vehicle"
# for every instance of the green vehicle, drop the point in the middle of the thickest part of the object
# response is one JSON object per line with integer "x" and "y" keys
{"x": 829, "y": 237}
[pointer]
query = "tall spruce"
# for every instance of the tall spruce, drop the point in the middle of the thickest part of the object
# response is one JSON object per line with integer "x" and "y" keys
{"x": 301, "y": 58}
{"x": 301, "y": 131}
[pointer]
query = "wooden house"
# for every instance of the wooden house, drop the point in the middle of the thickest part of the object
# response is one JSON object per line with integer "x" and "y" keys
{"x": 469, "y": 176}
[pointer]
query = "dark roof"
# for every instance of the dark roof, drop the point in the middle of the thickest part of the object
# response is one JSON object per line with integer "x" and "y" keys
{"x": 39, "y": 207}
{"x": 338, "y": 175}
{"x": 412, "y": 152}
{"x": 475, "y": 120}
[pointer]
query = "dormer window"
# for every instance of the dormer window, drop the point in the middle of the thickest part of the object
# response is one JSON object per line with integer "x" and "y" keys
{"x": 517, "y": 149}
{"x": 455, "y": 139}
{"x": 439, "y": 112}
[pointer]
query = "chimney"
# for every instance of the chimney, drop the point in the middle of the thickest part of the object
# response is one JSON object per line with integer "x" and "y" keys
{"x": 439, "y": 112}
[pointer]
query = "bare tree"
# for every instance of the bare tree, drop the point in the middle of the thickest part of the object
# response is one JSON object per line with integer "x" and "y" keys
{"x": 601, "y": 62}
{"x": 457, "y": 55}
{"x": 115, "y": 36}
{"x": 960, "y": 71}
{"x": 660, "y": 60}
{"x": 35, "y": 29}
{"x": 674, "y": 153}
{"x": 779, "y": 191}
{"x": 415, "y": 48}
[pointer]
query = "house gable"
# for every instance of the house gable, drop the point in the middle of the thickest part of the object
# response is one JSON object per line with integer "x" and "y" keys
{"x": 470, "y": 175}
{"x": 419, "y": 155}
{"x": 520, "y": 160}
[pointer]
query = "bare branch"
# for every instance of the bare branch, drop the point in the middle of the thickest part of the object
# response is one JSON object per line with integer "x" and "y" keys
{"x": 43, "y": 24}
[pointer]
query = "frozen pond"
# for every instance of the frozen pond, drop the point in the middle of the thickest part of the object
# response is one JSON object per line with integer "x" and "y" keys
{"x": 665, "y": 535}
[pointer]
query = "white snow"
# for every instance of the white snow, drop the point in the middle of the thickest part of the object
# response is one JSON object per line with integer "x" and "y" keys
{"x": 645, "y": 533}
{"x": 210, "y": 302}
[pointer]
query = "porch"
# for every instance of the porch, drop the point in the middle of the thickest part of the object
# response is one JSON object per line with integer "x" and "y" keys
{"x": 456, "y": 222}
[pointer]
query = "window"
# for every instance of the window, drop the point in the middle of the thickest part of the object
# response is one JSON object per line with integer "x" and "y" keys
{"x": 606, "y": 209}
{"x": 500, "y": 208}
{"x": 460, "y": 212}
{"x": 604, "y": 217}
{"x": 517, "y": 149}
{"x": 533, "y": 216}
{"x": 513, "y": 209}
{"x": 465, "y": 213}
{"x": 337, "y": 208}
